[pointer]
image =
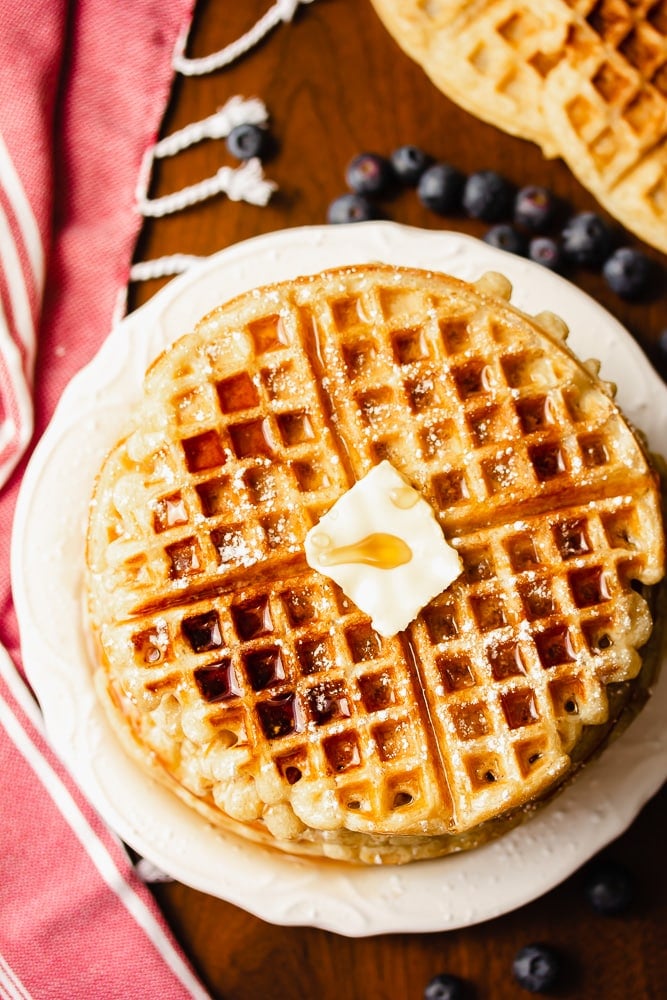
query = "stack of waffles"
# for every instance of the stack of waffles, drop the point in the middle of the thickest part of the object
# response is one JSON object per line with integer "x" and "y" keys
{"x": 250, "y": 683}
{"x": 586, "y": 79}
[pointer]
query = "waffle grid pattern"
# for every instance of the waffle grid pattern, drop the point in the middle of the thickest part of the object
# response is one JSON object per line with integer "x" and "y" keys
{"x": 297, "y": 667}
{"x": 551, "y": 641}
{"x": 626, "y": 82}
{"x": 608, "y": 102}
{"x": 490, "y": 417}
{"x": 586, "y": 79}
{"x": 250, "y": 460}
{"x": 239, "y": 653}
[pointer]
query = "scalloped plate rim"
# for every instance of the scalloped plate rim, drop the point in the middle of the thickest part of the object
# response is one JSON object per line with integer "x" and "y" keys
{"x": 347, "y": 900}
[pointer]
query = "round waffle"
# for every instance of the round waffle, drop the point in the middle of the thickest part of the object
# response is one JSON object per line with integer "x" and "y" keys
{"x": 251, "y": 684}
{"x": 585, "y": 79}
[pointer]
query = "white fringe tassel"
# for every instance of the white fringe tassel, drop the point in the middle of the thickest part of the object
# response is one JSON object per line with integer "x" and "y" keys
{"x": 282, "y": 11}
{"x": 150, "y": 873}
{"x": 163, "y": 267}
{"x": 244, "y": 183}
{"x": 237, "y": 111}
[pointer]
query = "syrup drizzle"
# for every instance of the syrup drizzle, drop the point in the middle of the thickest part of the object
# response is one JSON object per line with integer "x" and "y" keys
{"x": 404, "y": 497}
{"x": 381, "y": 550}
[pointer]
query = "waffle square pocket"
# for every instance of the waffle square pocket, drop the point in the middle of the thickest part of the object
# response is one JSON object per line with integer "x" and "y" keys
{"x": 253, "y": 683}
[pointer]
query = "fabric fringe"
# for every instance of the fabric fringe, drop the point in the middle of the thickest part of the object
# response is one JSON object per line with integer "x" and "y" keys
{"x": 282, "y": 11}
{"x": 243, "y": 183}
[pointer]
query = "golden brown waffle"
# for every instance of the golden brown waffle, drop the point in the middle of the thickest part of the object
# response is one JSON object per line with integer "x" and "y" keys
{"x": 606, "y": 106}
{"x": 250, "y": 682}
{"x": 586, "y": 79}
{"x": 490, "y": 57}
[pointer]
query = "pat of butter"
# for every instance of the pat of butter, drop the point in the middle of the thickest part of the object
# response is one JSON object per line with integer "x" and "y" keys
{"x": 382, "y": 545}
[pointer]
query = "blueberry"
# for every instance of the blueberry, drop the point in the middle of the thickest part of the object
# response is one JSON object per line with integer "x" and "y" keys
{"x": 546, "y": 251}
{"x": 662, "y": 345}
{"x": 587, "y": 240}
{"x": 445, "y": 987}
{"x": 246, "y": 141}
{"x": 506, "y": 237}
{"x": 534, "y": 208}
{"x": 350, "y": 208}
{"x": 440, "y": 188}
{"x": 369, "y": 174}
{"x": 488, "y": 196}
{"x": 628, "y": 272}
{"x": 609, "y": 887}
{"x": 658, "y": 353}
{"x": 409, "y": 163}
{"x": 536, "y": 967}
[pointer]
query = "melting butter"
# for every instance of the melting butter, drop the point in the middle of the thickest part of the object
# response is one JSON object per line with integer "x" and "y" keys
{"x": 380, "y": 549}
{"x": 383, "y": 546}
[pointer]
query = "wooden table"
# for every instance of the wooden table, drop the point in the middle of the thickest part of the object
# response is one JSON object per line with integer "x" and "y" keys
{"x": 337, "y": 84}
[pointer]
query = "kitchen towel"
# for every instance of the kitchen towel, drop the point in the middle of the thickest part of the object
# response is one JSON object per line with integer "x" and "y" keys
{"x": 83, "y": 89}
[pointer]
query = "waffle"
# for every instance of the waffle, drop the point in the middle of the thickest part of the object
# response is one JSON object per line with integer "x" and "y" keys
{"x": 585, "y": 79}
{"x": 606, "y": 106}
{"x": 489, "y": 57}
{"x": 251, "y": 684}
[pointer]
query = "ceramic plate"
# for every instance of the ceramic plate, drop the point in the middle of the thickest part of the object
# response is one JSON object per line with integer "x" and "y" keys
{"x": 47, "y": 571}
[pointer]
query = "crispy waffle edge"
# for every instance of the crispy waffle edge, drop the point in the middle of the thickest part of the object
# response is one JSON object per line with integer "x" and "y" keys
{"x": 349, "y": 845}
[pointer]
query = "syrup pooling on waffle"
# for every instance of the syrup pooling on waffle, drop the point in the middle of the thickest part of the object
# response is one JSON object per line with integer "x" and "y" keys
{"x": 488, "y": 422}
{"x": 295, "y": 667}
{"x": 250, "y": 679}
{"x": 470, "y": 402}
{"x": 246, "y": 455}
{"x": 238, "y": 445}
{"x": 557, "y": 622}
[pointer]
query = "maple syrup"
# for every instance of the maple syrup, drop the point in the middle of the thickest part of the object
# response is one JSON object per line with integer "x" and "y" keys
{"x": 379, "y": 549}
{"x": 404, "y": 497}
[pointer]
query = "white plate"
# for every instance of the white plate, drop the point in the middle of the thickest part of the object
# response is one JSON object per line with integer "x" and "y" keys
{"x": 47, "y": 566}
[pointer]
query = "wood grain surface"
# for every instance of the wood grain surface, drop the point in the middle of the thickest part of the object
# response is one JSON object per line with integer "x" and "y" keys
{"x": 336, "y": 84}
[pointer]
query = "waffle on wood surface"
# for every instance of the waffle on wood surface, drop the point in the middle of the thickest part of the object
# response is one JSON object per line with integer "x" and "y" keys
{"x": 249, "y": 681}
{"x": 585, "y": 79}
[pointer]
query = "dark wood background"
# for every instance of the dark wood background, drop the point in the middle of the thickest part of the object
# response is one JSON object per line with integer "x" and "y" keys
{"x": 336, "y": 84}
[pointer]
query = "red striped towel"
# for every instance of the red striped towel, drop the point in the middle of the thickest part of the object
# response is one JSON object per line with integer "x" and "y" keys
{"x": 83, "y": 86}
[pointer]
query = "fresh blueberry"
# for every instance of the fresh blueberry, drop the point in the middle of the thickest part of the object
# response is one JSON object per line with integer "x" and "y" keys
{"x": 350, "y": 208}
{"x": 609, "y": 887}
{"x": 445, "y": 987}
{"x": 534, "y": 208}
{"x": 587, "y": 240}
{"x": 369, "y": 174}
{"x": 547, "y": 252}
{"x": 246, "y": 141}
{"x": 658, "y": 353}
{"x": 440, "y": 188}
{"x": 628, "y": 272}
{"x": 409, "y": 163}
{"x": 488, "y": 196}
{"x": 536, "y": 967}
{"x": 506, "y": 237}
{"x": 662, "y": 346}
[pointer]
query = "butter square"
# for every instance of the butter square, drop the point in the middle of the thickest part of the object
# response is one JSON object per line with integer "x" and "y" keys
{"x": 382, "y": 545}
